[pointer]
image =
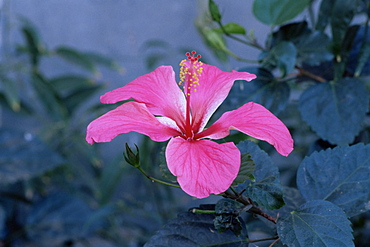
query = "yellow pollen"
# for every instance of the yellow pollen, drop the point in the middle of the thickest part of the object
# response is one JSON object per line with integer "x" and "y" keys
{"x": 189, "y": 75}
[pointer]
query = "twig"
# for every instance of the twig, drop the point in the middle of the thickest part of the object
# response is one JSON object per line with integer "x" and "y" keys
{"x": 264, "y": 239}
{"x": 273, "y": 243}
{"x": 253, "y": 209}
{"x": 309, "y": 74}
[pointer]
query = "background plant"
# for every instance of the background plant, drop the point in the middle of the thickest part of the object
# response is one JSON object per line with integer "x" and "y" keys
{"x": 56, "y": 190}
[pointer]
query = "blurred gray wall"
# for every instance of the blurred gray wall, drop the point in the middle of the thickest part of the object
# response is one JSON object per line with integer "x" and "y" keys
{"x": 119, "y": 28}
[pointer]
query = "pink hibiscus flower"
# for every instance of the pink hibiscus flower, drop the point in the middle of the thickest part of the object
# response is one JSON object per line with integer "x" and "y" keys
{"x": 162, "y": 111}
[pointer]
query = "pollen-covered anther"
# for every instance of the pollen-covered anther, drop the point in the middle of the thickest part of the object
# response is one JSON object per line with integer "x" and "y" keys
{"x": 190, "y": 71}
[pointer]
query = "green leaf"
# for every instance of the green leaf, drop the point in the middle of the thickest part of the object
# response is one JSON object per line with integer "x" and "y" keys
{"x": 285, "y": 54}
{"x": 266, "y": 191}
{"x": 195, "y": 229}
{"x": 364, "y": 56}
{"x": 335, "y": 110}
{"x": 342, "y": 55}
{"x": 324, "y": 15}
{"x": 277, "y": 12}
{"x": 77, "y": 58}
{"x": 10, "y": 92}
{"x": 232, "y": 28}
{"x": 214, "y": 39}
{"x": 313, "y": 48}
{"x": 247, "y": 167}
{"x": 359, "y": 56}
{"x": 342, "y": 15}
{"x": 49, "y": 98}
{"x": 340, "y": 175}
{"x": 23, "y": 156}
{"x": 290, "y": 32}
{"x": 67, "y": 84}
{"x": 267, "y": 90}
{"x": 79, "y": 97}
{"x": 214, "y": 11}
{"x": 74, "y": 90}
{"x": 104, "y": 61}
{"x": 293, "y": 200}
{"x": 23, "y": 106}
{"x": 33, "y": 43}
{"x": 316, "y": 223}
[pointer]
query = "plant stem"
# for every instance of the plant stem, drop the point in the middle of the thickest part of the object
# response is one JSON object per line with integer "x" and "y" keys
{"x": 253, "y": 209}
{"x": 157, "y": 180}
{"x": 263, "y": 239}
{"x": 253, "y": 44}
{"x": 309, "y": 74}
{"x": 240, "y": 58}
{"x": 201, "y": 211}
{"x": 273, "y": 243}
{"x": 233, "y": 190}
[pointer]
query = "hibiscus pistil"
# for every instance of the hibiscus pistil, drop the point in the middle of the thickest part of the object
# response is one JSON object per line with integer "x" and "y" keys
{"x": 189, "y": 77}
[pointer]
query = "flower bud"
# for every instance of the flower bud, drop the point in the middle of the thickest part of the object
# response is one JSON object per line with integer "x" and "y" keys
{"x": 132, "y": 158}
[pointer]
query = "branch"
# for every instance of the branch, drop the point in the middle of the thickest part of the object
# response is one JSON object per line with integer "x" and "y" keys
{"x": 273, "y": 243}
{"x": 276, "y": 238}
{"x": 246, "y": 201}
{"x": 309, "y": 74}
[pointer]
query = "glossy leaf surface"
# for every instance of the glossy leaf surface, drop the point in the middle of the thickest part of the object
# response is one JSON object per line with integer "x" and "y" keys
{"x": 276, "y": 12}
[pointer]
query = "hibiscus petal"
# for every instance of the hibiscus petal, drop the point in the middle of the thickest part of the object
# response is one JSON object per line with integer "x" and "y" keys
{"x": 203, "y": 167}
{"x": 256, "y": 121}
{"x": 158, "y": 90}
{"x": 214, "y": 86}
{"x": 131, "y": 116}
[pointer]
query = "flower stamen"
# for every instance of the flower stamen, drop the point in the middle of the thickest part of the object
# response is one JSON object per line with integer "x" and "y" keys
{"x": 190, "y": 71}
